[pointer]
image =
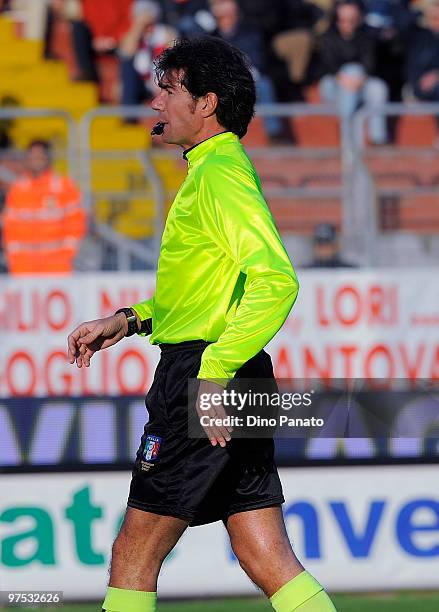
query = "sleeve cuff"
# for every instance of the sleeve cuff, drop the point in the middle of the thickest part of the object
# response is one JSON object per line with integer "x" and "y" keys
{"x": 143, "y": 309}
{"x": 211, "y": 369}
{"x": 145, "y": 319}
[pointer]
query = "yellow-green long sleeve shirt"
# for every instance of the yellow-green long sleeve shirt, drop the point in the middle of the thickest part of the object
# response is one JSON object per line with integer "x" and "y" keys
{"x": 223, "y": 273}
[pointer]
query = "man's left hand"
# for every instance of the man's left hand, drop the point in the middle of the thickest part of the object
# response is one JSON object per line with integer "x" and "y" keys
{"x": 216, "y": 432}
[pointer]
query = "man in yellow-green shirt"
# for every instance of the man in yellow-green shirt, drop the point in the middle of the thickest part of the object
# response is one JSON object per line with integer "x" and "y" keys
{"x": 224, "y": 287}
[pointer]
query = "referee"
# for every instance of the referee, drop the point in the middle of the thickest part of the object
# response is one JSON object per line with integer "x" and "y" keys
{"x": 224, "y": 287}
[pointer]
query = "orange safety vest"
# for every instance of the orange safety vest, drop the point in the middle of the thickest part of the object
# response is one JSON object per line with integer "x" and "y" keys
{"x": 43, "y": 223}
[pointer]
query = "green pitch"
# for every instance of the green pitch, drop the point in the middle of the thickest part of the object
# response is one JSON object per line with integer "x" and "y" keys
{"x": 402, "y": 602}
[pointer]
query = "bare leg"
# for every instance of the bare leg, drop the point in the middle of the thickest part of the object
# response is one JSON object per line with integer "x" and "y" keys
{"x": 260, "y": 541}
{"x": 138, "y": 552}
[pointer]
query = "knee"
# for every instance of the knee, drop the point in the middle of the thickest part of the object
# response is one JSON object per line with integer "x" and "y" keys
{"x": 376, "y": 91}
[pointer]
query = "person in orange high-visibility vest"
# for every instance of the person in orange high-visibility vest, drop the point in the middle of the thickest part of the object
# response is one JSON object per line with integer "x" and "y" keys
{"x": 43, "y": 220}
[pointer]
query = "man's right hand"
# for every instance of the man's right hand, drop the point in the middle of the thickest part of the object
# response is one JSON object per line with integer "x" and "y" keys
{"x": 92, "y": 336}
{"x": 216, "y": 432}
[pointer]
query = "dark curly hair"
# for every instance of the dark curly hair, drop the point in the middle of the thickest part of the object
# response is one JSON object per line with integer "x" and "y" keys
{"x": 210, "y": 64}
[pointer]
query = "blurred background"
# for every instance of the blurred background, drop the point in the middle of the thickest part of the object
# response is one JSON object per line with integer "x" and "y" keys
{"x": 345, "y": 140}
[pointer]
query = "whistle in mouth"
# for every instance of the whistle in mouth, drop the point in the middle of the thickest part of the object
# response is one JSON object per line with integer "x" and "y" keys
{"x": 158, "y": 129}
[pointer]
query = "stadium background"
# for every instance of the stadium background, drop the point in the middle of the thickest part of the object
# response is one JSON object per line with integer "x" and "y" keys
{"x": 363, "y": 512}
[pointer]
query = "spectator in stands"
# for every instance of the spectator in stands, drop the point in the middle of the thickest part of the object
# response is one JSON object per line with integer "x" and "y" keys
{"x": 145, "y": 40}
{"x": 423, "y": 58}
{"x": 287, "y": 27}
{"x": 97, "y": 28}
{"x": 294, "y": 41}
{"x": 391, "y": 23}
{"x": 347, "y": 60}
{"x": 231, "y": 28}
{"x": 326, "y": 253}
{"x": 189, "y": 17}
{"x": 43, "y": 221}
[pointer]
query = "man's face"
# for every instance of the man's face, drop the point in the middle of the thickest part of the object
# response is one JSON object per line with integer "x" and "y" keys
{"x": 37, "y": 160}
{"x": 178, "y": 110}
{"x": 325, "y": 251}
{"x": 348, "y": 19}
{"x": 225, "y": 11}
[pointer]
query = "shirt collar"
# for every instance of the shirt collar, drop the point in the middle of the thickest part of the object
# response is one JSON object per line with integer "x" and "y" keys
{"x": 204, "y": 147}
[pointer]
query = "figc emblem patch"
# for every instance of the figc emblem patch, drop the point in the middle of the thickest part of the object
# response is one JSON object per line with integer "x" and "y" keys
{"x": 152, "y": 447}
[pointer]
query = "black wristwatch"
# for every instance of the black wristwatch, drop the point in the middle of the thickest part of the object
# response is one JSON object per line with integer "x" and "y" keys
{"x": 132, "y": 320}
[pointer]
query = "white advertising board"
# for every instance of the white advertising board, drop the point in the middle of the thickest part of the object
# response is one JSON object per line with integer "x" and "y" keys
{"x": 357, "y": 528}
{"x": 346, "y": 323}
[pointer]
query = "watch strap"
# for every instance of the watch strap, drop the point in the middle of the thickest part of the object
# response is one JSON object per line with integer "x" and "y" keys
{"x": 146, "y": 327}
{"x": 132, "y": 320}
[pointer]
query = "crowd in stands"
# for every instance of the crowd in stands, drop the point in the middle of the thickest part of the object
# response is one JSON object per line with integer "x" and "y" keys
{"x": 354, "y": 51}
{"x": 358, "y": 51}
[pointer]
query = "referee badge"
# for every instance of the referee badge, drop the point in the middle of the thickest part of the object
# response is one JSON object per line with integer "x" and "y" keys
{"x": 152, "y": 447}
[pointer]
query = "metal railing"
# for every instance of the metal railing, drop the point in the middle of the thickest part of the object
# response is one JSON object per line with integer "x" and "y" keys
{"x": 125, "y": 248}
{"x": 364, "y": 189}
{"x": 356, "y": 187}
{"x": 395, "y": 109}
{"x": 299, "y": 110}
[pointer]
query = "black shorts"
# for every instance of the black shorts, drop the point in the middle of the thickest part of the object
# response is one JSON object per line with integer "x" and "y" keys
{"x": 175, "y": 475}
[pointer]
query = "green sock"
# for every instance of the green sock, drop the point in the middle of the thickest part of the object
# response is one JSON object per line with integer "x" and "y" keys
{"x": 302, "y": 594}
{"x": 123, "y": 600}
